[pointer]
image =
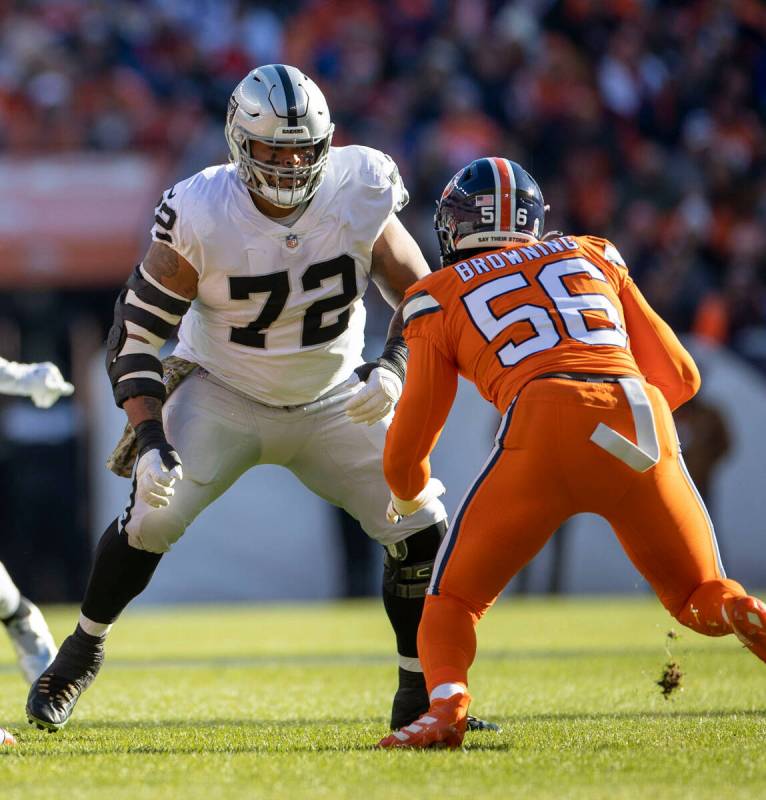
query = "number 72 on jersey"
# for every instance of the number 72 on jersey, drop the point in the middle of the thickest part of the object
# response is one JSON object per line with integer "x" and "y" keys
{"x": 277, "y": 286}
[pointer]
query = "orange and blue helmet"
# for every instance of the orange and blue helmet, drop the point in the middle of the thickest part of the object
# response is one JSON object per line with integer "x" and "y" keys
{"x": 488, "y": 204}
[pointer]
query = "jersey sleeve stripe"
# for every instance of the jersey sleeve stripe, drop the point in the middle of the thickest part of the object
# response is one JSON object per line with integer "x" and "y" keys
{"x": 145, "y": 374}
{"x": 183, "y": 302}
{"x": 134, "y": 329}
{"x": 134, "y": 364}
{"x": 418, "y": 305}
{"x": 148, "y": 321}
{"x": 131, "y": 298}
{"x": 134, "y": 347}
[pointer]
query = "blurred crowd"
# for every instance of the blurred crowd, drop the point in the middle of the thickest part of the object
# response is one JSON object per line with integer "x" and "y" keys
{"x": 643, "y": 121}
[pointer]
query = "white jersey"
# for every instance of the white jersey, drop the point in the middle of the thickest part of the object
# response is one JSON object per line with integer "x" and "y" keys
{"x": 279, "y": 312}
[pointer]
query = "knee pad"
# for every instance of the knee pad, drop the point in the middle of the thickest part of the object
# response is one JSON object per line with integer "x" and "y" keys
{"x": 408, "y": 564}
{"x": 154, "y": 530}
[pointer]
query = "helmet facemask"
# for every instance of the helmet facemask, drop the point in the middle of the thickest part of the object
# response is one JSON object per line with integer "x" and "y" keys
{"x": 280, "y": 185}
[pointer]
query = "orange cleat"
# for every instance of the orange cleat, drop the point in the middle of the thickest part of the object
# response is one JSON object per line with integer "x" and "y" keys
{"x": 747, "y": 617}
{"x": 443, "y": 725}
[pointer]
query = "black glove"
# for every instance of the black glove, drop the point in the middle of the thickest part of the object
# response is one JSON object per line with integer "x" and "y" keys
{"x": 150, "y": 435}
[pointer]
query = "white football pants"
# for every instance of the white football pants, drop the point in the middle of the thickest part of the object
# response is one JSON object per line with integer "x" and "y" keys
{"x": 220, "y": 433}
{"x": 9, "y": 594}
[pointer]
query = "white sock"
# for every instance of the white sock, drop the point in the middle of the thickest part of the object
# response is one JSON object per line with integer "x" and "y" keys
{"x": 93, "y": 628}
{"x": 445, "y": 690}
{"x": 10, "y": 597}
{"x": 410, "y": 664}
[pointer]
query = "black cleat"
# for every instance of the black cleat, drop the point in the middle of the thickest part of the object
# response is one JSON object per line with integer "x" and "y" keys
{"x": 476, "y": 724}
{"x": 411, "y": 701}
{"x": 54, "y": 694}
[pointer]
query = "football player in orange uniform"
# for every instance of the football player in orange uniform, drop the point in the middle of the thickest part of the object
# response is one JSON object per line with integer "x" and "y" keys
{"x": 556, "y": 335}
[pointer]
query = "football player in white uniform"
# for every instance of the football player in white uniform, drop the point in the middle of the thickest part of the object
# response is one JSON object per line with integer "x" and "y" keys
{"x": 263, "y": 262}
{"x": 23, "y": 621}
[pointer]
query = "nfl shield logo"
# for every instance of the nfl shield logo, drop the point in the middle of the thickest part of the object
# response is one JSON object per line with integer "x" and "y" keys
{"x": 291, "y": 240}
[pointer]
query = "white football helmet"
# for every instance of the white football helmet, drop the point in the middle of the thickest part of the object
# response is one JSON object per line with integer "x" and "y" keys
{"x": 279, "y": 106}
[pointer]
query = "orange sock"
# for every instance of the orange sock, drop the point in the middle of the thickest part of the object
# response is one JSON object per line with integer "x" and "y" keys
{"x": 446, "y": 640}
{"x": 703, "y": 611}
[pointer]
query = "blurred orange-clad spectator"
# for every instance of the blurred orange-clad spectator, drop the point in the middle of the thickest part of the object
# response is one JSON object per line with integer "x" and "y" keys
{"x": 645, "y": 122}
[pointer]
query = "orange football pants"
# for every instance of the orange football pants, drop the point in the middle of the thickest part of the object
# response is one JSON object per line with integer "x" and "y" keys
{"x": 543, "y": 470}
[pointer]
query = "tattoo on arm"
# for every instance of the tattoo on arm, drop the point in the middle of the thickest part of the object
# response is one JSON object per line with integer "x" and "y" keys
{"x": 161, "y": 262}
{"x": 141, "y": 408}
{"x": 171, "y": 269}
{"x": 153, "y": 407}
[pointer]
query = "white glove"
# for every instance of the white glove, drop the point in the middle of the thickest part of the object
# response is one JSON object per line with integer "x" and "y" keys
{"x": 43, "y": 382}
{"x": 398, "y": 508}
{"x": 377, "y": 398}
{"x": 156, "y": 475}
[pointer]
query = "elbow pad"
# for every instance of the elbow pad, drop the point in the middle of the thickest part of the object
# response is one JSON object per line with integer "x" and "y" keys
{"x": 148, "y": 310}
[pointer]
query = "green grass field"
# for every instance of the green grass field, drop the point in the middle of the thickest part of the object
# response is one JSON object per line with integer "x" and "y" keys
{"x": 288, "y": 701}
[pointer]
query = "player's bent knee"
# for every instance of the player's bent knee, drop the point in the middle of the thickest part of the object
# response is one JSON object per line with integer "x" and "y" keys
{"x": 409, "y": 564}
{"x": 462, "y": 604}
{"x": 378, "y": 528}
{"x": 703, "y": 610}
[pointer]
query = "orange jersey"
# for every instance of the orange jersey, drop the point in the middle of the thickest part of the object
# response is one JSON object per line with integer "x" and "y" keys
{"x": 504, "y": 317}
{"x": 567, "y": 444}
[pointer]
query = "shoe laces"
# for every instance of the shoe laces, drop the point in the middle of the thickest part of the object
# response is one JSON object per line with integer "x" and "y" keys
{"x": 57, "y": 688}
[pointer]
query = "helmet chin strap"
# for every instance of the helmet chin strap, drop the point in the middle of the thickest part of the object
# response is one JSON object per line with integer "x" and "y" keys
{"x": 256, "y": 182}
